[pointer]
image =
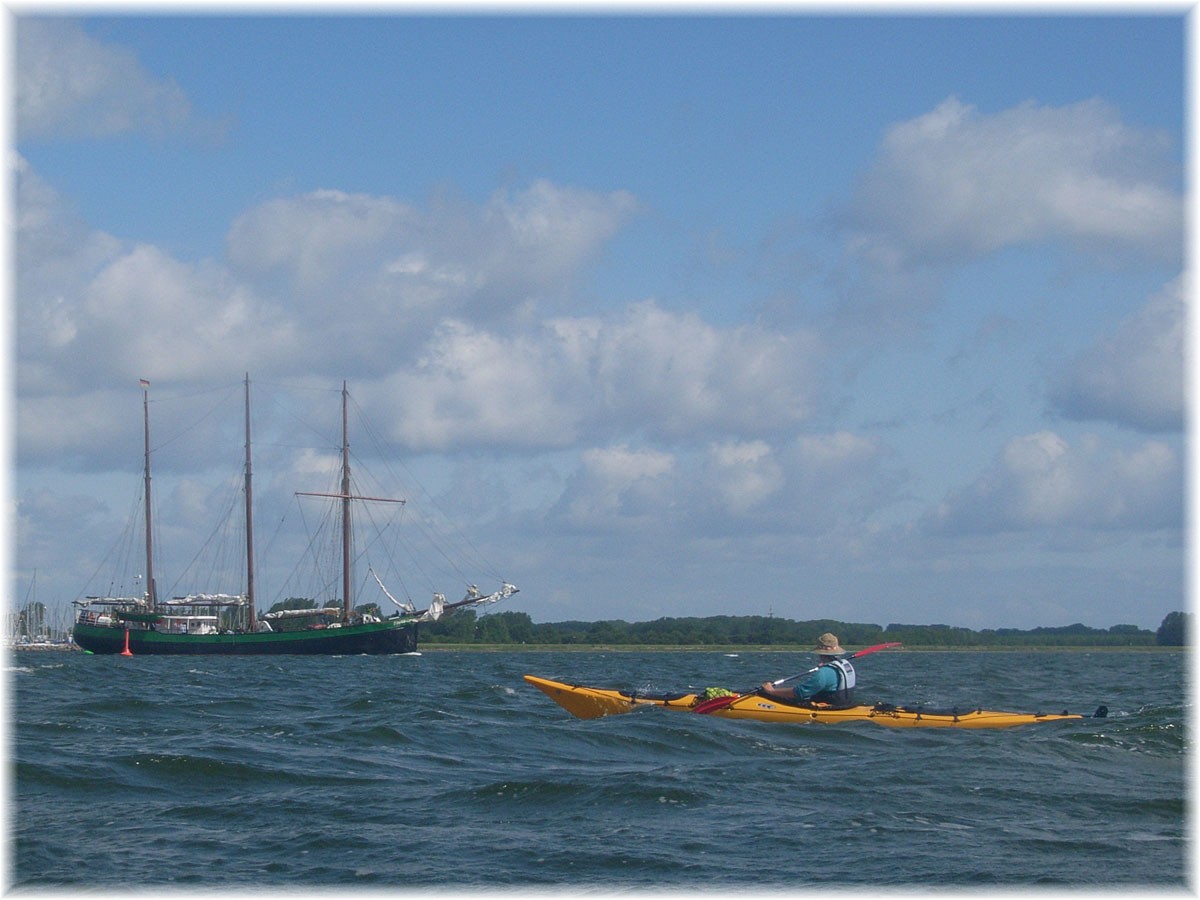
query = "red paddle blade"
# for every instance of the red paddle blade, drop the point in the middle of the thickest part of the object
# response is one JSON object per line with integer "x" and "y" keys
{"x": 716, "y": 703}
{"x": 865, "y": 650}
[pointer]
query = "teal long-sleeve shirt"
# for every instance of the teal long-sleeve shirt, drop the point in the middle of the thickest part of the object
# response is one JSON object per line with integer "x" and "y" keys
{"x": 824, "y": 679}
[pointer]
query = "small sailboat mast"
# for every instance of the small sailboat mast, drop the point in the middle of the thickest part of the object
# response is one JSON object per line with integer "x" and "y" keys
{"x": 250, "y": 614}
{"x": 150, "y": 592}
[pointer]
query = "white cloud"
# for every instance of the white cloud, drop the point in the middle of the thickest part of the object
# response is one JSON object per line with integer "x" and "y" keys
{"x": 142, "y": 313}
{"x": 56, "y": 255}
{"x": 311, "y": 462}
{"x": 1040, "y": 481}
{"x": 543, "y": 234}
{"x": 621, "y": 466}
{"x": 93, "y": 314}
{"x": 1133, "y": 377}
{"x": 682, "y": 374}
{"x": 317, "y": 238}
{"x": 88, "y": 302}
{"x": 955, "y": 184}
{"x": 751, "y": 492}
{"x": 825, "y": 454}
{"x": 619, "y": 488}
{"x": 667, "y": 375}
{"x": 643, "y": 371}
{"x": 473, "y": 387}
{"x": 146, "y": 314}
{"x": 190, "y": 320}
{"x": 69, "y": 84}
{"x": 834, "y": 479}
{"x": 743, "y": 474}
{"x": 376, "y": 267}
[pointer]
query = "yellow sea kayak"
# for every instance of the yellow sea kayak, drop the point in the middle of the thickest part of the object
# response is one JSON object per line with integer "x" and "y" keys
{"x": 592, "y": 703}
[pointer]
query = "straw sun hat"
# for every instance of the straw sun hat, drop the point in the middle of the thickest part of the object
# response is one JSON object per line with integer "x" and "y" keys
{"x": 827, "y": 645}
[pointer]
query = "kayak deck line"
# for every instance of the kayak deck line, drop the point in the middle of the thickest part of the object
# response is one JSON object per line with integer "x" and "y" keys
{"x": 592, "y": 703}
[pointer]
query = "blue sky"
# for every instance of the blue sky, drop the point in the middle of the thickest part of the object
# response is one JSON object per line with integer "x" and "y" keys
{"x": 876, "y": 318}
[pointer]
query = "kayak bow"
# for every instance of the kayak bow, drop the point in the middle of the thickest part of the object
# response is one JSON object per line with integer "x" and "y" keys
{"x": 592, "y": 703}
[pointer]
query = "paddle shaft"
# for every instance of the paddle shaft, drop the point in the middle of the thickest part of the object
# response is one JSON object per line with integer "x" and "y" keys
{"x": 721, "y": 702}
{"x": 854, "y": 655}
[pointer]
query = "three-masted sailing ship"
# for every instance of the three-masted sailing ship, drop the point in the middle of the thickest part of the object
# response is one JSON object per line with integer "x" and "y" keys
{"x": 227, "y": 624}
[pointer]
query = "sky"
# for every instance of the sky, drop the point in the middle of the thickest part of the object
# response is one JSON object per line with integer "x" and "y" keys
{"x": 875, "y": 317}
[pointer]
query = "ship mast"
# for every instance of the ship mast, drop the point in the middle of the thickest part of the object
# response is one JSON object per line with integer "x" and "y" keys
{"x": 346, "y": 497}
{"x": 150, "y": 592}
{"x": 346, "y": 604}
{"x": 250, "y": 623}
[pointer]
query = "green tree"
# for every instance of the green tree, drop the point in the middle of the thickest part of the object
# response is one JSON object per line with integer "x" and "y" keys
{"x": 520, "y": 627}
{"x": 493, "y": 630}
{"x": 1174, "y": 630}
{"x": 456, "y": 628}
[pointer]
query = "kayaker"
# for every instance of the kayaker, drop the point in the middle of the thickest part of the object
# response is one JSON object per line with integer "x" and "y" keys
{"x": 831, "y": 682}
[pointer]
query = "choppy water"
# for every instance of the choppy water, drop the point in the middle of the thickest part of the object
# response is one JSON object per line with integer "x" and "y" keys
{"x": 446, "y": 770}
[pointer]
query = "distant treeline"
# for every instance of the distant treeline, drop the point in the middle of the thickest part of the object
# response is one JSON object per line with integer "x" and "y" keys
{"x": 518, "y": 628}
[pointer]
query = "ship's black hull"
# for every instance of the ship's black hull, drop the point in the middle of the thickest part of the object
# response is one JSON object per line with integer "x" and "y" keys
{"x": 373, "y": 638}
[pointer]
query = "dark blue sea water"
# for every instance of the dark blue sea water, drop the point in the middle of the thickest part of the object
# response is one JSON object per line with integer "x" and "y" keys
{"x": 445, "y": 770}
